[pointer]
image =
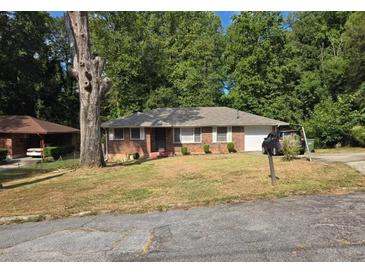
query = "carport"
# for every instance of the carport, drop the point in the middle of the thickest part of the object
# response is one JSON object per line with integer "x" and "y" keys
{"x": 18, "y": 133}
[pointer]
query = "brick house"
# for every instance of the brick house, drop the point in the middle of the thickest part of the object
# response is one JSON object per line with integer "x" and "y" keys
{"x": 164, "y": 131}
{"x": 20, "y": 132}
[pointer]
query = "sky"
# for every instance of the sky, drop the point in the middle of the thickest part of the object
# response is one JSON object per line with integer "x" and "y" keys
{"x": 224, "y": 15}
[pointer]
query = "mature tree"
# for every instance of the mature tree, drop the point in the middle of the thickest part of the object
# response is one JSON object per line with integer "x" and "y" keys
{"x": 160, "y": 59}
{"x": 354, "y": 44}
{"x": 33, "y": 80}
{"x": 259, "y": 78}
{"x": 315, "y": 47}
{"x": 27, "y": 73}
{"x": 194, "y": 45}
{"x": 88, "y": 69}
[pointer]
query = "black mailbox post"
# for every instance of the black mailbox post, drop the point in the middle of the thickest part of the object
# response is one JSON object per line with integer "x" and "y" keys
{"x": 268, "y": 146}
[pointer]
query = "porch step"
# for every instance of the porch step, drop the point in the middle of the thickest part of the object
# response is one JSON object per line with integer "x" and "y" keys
{"x": 158, "y": 154}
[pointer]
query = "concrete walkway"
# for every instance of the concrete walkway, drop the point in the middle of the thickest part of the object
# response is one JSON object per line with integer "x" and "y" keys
{"x": 19, "y": 162}
{"x": 302, "y": 228}
{"x": 355, "y": 160}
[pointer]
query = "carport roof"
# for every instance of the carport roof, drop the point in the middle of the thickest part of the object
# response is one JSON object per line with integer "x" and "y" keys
{"x": 192, "y": 117}
{"x": 31, "y": 125}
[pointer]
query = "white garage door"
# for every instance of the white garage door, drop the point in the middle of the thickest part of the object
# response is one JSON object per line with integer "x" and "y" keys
{"x": 254, "y": 135}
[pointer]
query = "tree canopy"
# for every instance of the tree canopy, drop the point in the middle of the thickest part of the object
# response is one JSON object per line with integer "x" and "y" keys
{"x": 160, "y": 59}
{"x": 297, "y": 68}
{"x": 32, "y": 80}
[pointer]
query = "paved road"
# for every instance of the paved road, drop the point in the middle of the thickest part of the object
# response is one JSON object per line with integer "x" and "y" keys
{"x": 302, "y": 228}
{"x": 355, "y": 160}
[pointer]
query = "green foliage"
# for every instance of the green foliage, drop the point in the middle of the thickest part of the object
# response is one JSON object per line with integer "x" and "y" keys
{"x": 159, "y": 59}
{"x": 354, "y": 49}
{"x": 309, "y": 91}
{"x": 291, "y": 147}
{"x": 316, "y": 60}
{"x": 331, "y": 122}
{"x": 3, "y": 154}
{"x": 293, "y": 69}
{"x": 206, "y": 148}
{"x": 58, "y": 151}
{"x": 230, "y": 147}
{"x": 184, "y": 151}
{"x": 358, "y": 134}
{"x": 34, "y": 55}
{"x": 256, "y": 64}
{"x": 162, "y": 97}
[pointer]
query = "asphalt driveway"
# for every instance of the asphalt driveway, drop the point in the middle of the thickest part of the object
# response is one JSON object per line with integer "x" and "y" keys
{"x": 302, "y": 228}
{"x": 355, "y": 160}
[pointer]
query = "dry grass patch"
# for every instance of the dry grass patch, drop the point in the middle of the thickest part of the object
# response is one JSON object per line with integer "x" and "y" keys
{"x": 339, "y": 150}
{"x": 176, "y": 182}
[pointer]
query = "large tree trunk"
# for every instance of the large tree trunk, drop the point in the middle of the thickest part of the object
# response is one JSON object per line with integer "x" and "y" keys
{"x": 88, "y": 71}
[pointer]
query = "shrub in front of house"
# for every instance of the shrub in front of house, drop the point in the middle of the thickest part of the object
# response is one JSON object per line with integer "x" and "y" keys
{"x": 206, "y": 149}
{"x": 291, "y": 147}
{"x": 230, "y": 147}
{"x": 3, "y": 154}
{"x": 136, "y": 156}
{"x": 184, "y": 151}
{"x": 58, "y": 151}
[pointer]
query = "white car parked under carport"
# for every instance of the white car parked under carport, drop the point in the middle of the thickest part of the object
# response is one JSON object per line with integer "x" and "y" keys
{"x": 34, "y": 152}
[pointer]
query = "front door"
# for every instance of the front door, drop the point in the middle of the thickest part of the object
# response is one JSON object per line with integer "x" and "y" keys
{"x": 159, "y": 138}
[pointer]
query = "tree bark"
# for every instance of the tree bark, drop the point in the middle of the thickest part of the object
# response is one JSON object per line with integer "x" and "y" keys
{"x": 88, "y": 70}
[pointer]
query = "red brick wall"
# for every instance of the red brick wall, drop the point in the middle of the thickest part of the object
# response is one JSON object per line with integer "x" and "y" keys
{"x": 15, "y": 143}
{"x": 6, "y": 142}
{"x": 20, "y": 144}
{"x": 120, "y": 149}
{"x": 169, "y": 140}
{"x": 238, "y": 138}
{"x": 148, "y": 136}
{"x": 207, "y": 138}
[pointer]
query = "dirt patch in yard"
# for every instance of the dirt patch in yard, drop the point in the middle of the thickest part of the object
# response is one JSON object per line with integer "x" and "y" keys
{"x": 176, "y": 182}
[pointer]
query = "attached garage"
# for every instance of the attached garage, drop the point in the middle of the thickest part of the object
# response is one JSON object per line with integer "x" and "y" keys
{"x": 254, "y": 136}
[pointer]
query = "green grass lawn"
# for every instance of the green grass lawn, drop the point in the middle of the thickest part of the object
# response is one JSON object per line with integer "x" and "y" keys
{"x": 60, "y": 189}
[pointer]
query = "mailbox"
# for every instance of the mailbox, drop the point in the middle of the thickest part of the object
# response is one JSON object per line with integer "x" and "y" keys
{"x": 270, "y": 143}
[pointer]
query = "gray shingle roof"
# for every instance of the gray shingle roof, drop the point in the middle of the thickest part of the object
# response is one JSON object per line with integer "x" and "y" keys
{"x": 192, "y": 117}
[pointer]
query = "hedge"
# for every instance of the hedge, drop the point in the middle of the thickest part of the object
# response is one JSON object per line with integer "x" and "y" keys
{"x": 57, "y": 152}
{"x": 3, "y": 154}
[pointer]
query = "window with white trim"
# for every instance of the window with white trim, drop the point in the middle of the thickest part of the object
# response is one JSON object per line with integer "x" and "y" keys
{"x": 197, "y": 135}
{"x": 137, "y": 133}
{"x": 177, "y": 135}
{"x": 187, "y": 135}
{"x": 222, "y": 134}
{"x": 116, "y": 133}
